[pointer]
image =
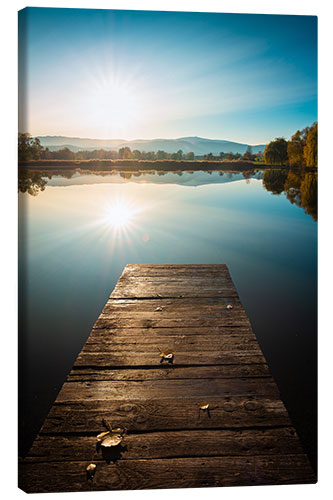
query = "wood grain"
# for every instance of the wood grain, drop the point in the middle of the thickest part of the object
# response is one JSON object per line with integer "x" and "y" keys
{"x": 245, "y": 437}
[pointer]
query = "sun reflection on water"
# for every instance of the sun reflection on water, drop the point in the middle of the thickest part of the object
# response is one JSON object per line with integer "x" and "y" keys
{"x": 120, "y": 214}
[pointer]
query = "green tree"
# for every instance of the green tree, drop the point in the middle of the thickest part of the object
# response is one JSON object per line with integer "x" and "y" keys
{"x": 295, "y": 148}
{"x": 189, "y": 156}
{"x": 136, "y": 154}
{"x": 63, "y": 154}
{"x": 37, "y": 148}
{"x": 29, "y": 148}
{"x": 311, "y": 147}
{"x": 248, "y": 155}
{"x": 46, "y": 154}
{"x": 161, "y": 155}
{"x": 179, "y": 154}
{"x": 125, "y": 153}
{"x": 208, "y": 157}
{"x": 150, "y": 155}
{"x": 276, "y": 152}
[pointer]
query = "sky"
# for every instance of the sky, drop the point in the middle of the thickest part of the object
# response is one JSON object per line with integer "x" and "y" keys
{"x": 114, "y": 74}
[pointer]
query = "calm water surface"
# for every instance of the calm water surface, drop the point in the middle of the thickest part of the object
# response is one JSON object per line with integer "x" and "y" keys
{"x": 78, "y": 234}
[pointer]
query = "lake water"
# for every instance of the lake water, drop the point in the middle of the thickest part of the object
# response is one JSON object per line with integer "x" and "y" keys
{"x": 77, "y": 234}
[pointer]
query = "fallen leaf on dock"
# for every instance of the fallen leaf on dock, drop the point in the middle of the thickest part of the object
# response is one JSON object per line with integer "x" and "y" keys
{"x": 204, "y": 406}
{"x": 112, "y": 440}
{"x": 91, "y": 469}
{"x": 102, "y": 436}
{"x": 158, "y": 309}
{"x": 167, "y": 355}
{"x": 113, "y": 437}
{"x": 229, "y": 306}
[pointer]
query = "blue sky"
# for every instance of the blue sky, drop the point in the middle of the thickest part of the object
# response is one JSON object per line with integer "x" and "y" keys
{"x": 136, "y": 74}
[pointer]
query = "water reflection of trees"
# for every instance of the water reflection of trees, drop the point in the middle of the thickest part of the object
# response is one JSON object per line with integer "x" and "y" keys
{"x": 35, "y": 181}
{"x": 31, "y": 182}
{"x": 299, "y": 186}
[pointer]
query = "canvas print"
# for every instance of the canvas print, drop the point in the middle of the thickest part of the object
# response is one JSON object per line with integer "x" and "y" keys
{"x": 167, "y": 167}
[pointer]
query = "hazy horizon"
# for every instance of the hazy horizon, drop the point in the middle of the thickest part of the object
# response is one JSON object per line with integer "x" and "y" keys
{"x": 110, "y": 74}
{"x": 135, "y": 139}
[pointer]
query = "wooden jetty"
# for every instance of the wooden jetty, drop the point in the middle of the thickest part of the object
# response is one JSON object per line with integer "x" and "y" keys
{"x": 243, "y": 437}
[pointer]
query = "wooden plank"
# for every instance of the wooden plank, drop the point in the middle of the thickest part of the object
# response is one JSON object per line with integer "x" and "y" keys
{"x": 143, "y": 291}
{"x": 178, "y": 345}
{"x": 223, "y": 288}
{"x": 174, "y": 283}
{"x": 163, "y": 414}
{"x": 169, "y": 389}
{"x": 171, "y": 473}
{"x": 246, "y": 437}
{"x": 142, "y": 303}
{"x": 112, "y": 321}
{"x": 176, "y": 278}
{"x": 109, "y": 339}
{"x": 182, "y": 359}
{"x": 167, "y": 269}
{"x": 172, "y": 306}
{"x": 215, "y": 317}
{"x": 102, "y": 333}
{"x": 149, "y": 337}
{"x": 157, "y": 444}
{"x": 175, "y": 372}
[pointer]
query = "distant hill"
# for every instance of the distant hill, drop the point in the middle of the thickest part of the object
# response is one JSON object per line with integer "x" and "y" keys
{"x": 198, "y": 145}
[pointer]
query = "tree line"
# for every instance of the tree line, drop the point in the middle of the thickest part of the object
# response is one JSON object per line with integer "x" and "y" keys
{"x": 248, "y": 155}
{"x": 30, "y": 148}
{"x": 300, "y": 151}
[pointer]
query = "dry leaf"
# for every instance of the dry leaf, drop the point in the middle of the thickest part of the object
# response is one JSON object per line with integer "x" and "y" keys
{"x": 167, "y": 354}
{"x": 91, "y": 469}
{"x": 229, "y": 306}
{"x": 111, "y": 440}
{"x": 158, "y": 309}
{"x": 102, "y": 436}
{"x": 113, "y": 437}
{"x": 204, "y": 406}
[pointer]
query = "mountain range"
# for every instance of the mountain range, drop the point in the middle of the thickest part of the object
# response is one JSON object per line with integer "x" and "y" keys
{"x": 197, "y": 145}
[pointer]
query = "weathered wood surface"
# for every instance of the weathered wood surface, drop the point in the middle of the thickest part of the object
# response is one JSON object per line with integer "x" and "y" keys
{"x": 246, "y": 437}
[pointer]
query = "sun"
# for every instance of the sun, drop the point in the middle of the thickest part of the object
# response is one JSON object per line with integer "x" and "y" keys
{"x": 115, "y": 103}
{"x": 118, "y": 102}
